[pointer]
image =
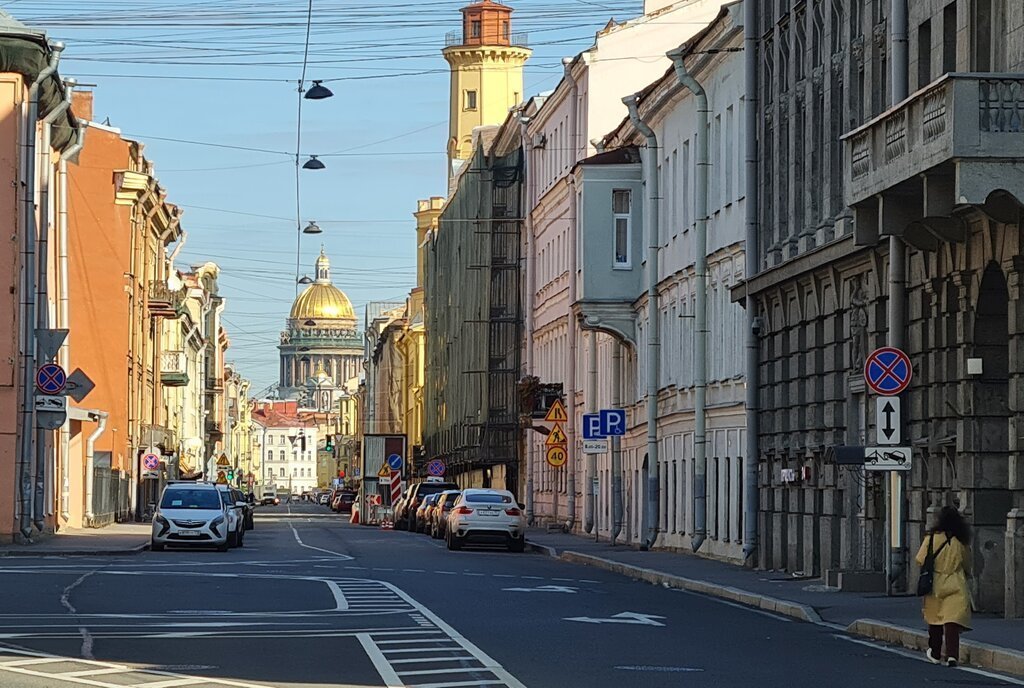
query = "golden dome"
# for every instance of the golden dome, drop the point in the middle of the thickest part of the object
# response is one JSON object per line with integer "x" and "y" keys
{"x": 322, "y": 300}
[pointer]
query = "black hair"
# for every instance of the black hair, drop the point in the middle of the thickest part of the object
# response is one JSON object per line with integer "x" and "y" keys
{"x": 950, "y": 522}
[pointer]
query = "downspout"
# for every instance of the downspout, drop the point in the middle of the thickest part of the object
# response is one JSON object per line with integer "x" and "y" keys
{"x": 26, "y": 469}
{"x": 63, "y": 317}
{"x": 90, "y": 456}
{"x": 589, "y": 494}
{"x": 651, "y": 181}
{"x": 528, "y": 362}
{"x": 183, "y": 237}
{"x": 570, "y": 424}
{"x": 752, "y": 261}
{"x": 700, "y": 381}
{"x": 896, "y": 560}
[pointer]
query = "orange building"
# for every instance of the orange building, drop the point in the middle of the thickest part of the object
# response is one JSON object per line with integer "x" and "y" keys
{"x": 33, "y": 119}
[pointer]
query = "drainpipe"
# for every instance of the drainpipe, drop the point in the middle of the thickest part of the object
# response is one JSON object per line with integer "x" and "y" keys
{"x": 896, "y": 568}
{"x": 90, "y": 456}
{"x": 63, "y": 317}
{"x": 43, "y": 473}
{"x": 589, "y": 495}
{"x": 752, "y": 262}
{"x": 653, "y": 324}
{"x": 570, "y": 424}
{"x": 26, "y": 454}
{"x": 616, "y": 447}
{"x": 177, "y": 249}
{"x": 700, "y": 381}
{"x": 528, "y": 363}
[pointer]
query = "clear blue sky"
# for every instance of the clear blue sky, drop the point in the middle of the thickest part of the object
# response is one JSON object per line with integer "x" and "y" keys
{"x": 226, "y": 72}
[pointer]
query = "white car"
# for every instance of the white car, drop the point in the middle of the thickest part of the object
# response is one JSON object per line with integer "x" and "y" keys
{"x": 488, "y": 517}
{"x": 190, "y": 514}
{"x": 236, "y": 516}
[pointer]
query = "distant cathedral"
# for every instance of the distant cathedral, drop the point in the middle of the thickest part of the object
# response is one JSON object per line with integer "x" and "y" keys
{"x": 321, "y": 348}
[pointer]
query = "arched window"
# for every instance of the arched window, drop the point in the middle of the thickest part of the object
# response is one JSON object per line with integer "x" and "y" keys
{"x": 270, "y": 455}
{"x": 281, "y": 472}
{"x": 282, "y": 454}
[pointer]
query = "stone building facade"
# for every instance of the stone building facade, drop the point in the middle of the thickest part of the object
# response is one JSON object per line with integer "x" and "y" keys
{"x": 843, "y": 168}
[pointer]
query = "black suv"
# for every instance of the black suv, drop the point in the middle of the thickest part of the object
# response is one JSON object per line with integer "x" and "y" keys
{"x": 405, "y": 516}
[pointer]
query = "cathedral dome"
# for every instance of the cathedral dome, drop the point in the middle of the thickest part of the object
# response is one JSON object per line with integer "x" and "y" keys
{"x": 322, "y": 300}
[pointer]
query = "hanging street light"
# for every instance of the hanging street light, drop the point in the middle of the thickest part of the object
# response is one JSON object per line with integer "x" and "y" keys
{"x": 313, "y": 164}
{"x": 305, "y": 280}
{"x": 312, "y": 228}
{"x": 318, "y": 92}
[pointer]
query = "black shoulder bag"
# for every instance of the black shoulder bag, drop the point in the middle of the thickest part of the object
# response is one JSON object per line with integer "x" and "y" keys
{"x": 926, "y": 580}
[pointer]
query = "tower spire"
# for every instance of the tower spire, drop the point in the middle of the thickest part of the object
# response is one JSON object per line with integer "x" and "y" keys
{"x": 323, "y": 268}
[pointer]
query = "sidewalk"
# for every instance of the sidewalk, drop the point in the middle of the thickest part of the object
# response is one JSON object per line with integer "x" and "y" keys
{"x": 994, "y": 643}
{"x": 117, "y": 538}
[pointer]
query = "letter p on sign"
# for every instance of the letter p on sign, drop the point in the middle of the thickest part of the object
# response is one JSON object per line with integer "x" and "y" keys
{"x": 613, "y": 422}
{"x": 592, "y": 426}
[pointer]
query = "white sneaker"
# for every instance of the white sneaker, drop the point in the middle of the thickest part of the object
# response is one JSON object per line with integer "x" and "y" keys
{"x": 951, "y": 662}
{"x": 931, "y": 658}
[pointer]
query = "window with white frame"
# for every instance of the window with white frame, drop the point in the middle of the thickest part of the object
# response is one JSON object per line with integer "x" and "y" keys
{"x": 621, "y": 202}
{"x": 471, "y": 100}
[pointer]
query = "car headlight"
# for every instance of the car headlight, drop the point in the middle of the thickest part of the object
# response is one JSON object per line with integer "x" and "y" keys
{"x": 217, "y": 521}
{"x": 160, "y": 519}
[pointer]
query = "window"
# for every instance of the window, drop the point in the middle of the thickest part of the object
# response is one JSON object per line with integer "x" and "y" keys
{"x": 504, "y": 30}
{"x": 282, "y": 454}
{"x": 471, "y": 100}
{"x": 924, "y": 54}
{"x": 949, "y": 38}
{"x": 281, "y": 473}
{"x": 270, "y": 455}
{"x": 280, "y": 439}
{"x": 621, "y": 215}
{"x": 474, "y": 28}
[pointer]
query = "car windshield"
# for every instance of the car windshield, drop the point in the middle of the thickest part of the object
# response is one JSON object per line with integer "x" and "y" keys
{"x": 488, "y": 498}
{"x": 190, "y": 499}
{"x": 433, "y": 488}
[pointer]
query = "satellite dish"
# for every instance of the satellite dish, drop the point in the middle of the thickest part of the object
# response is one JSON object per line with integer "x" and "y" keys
{"x": 174, "y": 283}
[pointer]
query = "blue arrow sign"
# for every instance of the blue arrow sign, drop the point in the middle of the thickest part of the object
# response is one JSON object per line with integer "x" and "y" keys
{"x": 395, "y": 462}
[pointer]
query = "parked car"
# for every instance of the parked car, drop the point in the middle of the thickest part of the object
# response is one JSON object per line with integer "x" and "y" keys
{"x": 190, "y": 514}
{"x": 324, "y": 498}
{"x": 247, "y": 509}
{"x": 345, "y": 500}
{"x": 405, "y": 518}
{"x": 486, "y": 516}
{"x": 235, "y": 510}
{"x": 423, "y": 510}
{"x": 399, "y": 506}
{"x": 437, "y": 519}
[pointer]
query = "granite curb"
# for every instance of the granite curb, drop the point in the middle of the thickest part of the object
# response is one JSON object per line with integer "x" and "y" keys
{"x": 30, "y": 551}
{"x": 977, "y": 654}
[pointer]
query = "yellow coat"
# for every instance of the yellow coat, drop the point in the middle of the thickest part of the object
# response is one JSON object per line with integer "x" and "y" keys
{"x": 949, "y": 601}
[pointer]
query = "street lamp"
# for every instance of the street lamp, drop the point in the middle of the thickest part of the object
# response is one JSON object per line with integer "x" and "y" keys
{"x": 305, "y": 280}
{"x": 312, "y": 228}
{"x": 313, "y": 163}
{"x": 318, "y": 92}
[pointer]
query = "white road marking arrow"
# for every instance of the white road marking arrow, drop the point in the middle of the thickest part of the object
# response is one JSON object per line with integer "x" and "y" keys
{"x": 622, "y": 618}
{"x": 543, "y": 588}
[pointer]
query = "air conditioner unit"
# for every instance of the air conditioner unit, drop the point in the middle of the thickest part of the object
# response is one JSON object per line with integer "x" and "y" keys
{"x": 539, "y": 140}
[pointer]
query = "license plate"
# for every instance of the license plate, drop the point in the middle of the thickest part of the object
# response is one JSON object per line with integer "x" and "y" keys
{"x": 489, "y": 513}
{"x": 188, "y": 533}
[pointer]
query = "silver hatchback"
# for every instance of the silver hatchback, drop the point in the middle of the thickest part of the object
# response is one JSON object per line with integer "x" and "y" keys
{"x": 190, "y": 514}
{"x": 485, "y": 516}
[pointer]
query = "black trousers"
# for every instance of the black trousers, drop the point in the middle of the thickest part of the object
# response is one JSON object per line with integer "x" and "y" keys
{"x": 952, "y": 634}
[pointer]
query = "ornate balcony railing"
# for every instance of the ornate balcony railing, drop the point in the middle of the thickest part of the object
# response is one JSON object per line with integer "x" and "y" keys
{"x": 458, "y": 37}
{"x": 173, "y": 368}
{"x": 162, "y": 301}
{"x": 958, "y": 120}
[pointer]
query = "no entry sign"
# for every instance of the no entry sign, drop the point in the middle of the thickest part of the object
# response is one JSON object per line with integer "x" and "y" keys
{"x": 888, "y": 371}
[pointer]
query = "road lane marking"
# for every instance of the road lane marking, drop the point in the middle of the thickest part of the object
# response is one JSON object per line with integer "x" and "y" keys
{"x": 339, "y": 555}
{"x": 65, "y": 600}
{"x": 380, "y": 663}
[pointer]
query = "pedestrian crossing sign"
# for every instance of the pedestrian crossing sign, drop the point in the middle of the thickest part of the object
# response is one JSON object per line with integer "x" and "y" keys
{"x": 556, "y": 437}
{"x": 557, "y": 414}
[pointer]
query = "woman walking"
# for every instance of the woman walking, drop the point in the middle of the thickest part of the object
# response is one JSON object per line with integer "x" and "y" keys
{"x": 947, "y": 606}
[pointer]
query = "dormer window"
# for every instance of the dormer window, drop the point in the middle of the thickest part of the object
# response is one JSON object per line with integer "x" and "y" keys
{"x": 474, "y": 28}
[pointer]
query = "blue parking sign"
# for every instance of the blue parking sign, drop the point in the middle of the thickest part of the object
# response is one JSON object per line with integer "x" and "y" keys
{"x": 592, "y": 426}
{"x": 613, "y": 422}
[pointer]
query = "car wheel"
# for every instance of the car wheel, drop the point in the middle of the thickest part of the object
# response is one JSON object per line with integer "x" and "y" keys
{"x": 156, "y": 547}
{"x": 517, "y": 544}
{"x": 240, "y": 540}
{"x": 232, "y": 540}
{"x": 412, "y": 524}
{"x": 454, "y": 542}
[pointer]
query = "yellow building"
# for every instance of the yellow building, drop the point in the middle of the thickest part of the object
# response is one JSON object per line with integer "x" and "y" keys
{"x": 486, "y": 61}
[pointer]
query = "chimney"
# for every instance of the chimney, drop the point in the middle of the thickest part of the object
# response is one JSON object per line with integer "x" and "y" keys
{"x": 81, "y": 105}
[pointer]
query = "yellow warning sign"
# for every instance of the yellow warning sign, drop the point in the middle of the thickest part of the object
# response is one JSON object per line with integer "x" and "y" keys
{"x": 557, "y": 414}
{"x": 556, "y": 437}
{"x": 384, "y": 472}
{"x": 557, "y": 456}
{"x": 222, "y": 478}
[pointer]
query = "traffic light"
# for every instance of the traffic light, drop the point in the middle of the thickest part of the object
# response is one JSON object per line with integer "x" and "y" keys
{"x": 329, "y": 446}
{"x": 231, "y": 475}
{"x": 341, "y": 473}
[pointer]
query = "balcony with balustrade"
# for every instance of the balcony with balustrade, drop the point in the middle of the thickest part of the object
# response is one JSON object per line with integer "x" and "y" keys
{"x": 173, "y": 369}
{"x": 954, "y": 144}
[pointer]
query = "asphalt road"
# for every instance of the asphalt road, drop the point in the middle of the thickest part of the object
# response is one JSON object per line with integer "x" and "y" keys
{"x": 312, "y": 601}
